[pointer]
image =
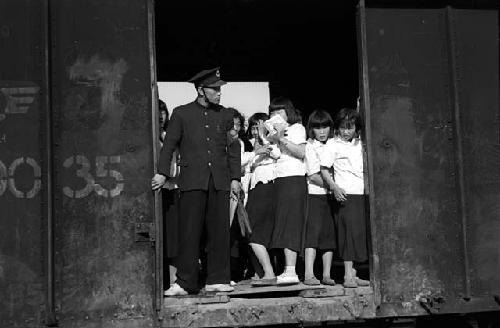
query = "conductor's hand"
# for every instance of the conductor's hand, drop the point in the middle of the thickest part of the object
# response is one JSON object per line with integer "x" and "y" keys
{"x": 339, "y": 194}
{"x": 158, "y": 181}
{"x": 235, "y": 188}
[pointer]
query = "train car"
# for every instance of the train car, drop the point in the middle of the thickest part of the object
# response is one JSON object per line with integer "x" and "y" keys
{"x": 81, "y": 230}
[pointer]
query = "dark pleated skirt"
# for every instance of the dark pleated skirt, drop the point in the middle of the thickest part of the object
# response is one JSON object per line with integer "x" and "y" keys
{"x": 261, "y": 212}
{"x": 171, "y": 221}
{"x": 320, "y": 231}
{"x": 350, "y": 224}
{"x": 290, "y": 217}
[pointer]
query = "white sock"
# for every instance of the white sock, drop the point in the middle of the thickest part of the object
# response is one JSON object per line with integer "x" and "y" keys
{"x": 290, "y": 269}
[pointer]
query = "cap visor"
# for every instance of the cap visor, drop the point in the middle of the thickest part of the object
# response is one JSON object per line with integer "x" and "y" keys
{"x": 216, "y": 84}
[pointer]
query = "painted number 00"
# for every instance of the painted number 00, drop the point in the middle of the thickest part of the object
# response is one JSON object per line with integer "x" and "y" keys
{"x": 10, "y": 181}
{"x": 101, "y": 172}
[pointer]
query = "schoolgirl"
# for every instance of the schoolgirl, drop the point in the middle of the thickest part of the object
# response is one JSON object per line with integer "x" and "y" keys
{"x": 320, "y": 233}
{"x": 344, "y": 154}
{"x": 170, "y": 198}
{"x": 247, "y": 153}
{"x": 290, "y": 186}
{"x": 261, "y": 197}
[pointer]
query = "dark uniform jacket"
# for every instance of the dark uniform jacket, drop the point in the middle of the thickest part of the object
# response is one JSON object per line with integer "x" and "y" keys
{"x": 201, "y": 135}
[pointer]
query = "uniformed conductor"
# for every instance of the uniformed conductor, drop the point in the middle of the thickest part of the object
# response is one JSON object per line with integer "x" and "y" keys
{"x": 210, "y": 168}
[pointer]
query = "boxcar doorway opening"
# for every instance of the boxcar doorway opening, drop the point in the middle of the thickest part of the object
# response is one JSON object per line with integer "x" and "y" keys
{"x": 306, "y": 52}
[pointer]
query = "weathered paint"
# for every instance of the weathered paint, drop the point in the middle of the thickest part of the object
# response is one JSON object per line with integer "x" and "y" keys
{"x": 22, "y": 273}
{"x": 102, "y": 109}
{"x": 416, "y": 217}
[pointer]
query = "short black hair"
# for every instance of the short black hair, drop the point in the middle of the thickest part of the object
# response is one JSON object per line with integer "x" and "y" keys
{"x": 319, "y": 119}
{"x": 242, "y": 133}
{"x": 293, "y": 114}
{"x": 162, "y": 106}
{"x": 254, "y": 120}
{"x": 348, "y": 117}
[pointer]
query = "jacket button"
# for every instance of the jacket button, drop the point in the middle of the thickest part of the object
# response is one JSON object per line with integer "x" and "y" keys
{"x": 205, "y": 113}
{"x": 208, "y": 139}
{"x": 206, "y": 126}
{"x": 209, "y": 164}
{"x": 209, "y": 151}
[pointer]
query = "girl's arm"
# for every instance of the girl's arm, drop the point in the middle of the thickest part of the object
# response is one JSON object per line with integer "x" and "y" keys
{"x": 316, "y": 179}
{"x": 295, "y": 150}
{"x": 339, "y": 193}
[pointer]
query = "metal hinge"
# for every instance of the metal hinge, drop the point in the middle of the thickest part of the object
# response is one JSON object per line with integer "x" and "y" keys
{"x": 145, "y": 232}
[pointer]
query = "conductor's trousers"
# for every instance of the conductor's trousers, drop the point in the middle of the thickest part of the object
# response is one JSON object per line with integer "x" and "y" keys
{"x": 199, "y": 209}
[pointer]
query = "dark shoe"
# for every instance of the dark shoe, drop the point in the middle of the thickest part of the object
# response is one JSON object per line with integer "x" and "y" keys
{"x": 359, "y": 281}
{"x": 362, "y": 282}
{"x": 263, "y": 282}
{"x": 350, "y": 282}
{"x": 312, "y": 281}
{"x": 328, "y": 281}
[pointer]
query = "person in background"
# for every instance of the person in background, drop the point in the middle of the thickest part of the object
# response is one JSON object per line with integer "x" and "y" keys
{"x": 320, "y": 233}
{"x": 344, "y": 154}
{"x": 170, "y": 197}
{"x": 261, "y": 198}
{"x": 162, "y": 107}
{"x": 210, "y": 168}
{"x": 247, "y": 153}
{"x": 290, "y": 186}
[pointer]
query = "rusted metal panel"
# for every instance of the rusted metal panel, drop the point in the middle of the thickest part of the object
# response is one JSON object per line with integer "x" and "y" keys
{"x": 414, "y": 205}
{"x": 431, "y": 104}
{"x": 103, "y": 152}
{"x": 475, "y": 39}
{"x": 22, "y": 95}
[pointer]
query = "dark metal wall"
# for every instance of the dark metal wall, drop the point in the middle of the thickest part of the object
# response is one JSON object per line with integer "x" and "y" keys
{"x": 101, "y": 82}
{"x": 419, "y": 68}
{"x": 76, "y": 158}
{"x": 22, "y": 222}
{"x": 477, "y": 72}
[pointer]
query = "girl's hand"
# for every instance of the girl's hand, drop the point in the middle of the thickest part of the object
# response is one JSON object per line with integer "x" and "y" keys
{"x": 280, "y": 128}
{"x": 273, "y": 138}
{"x": 262, "y": 150}
{"x": 339, "y": 194}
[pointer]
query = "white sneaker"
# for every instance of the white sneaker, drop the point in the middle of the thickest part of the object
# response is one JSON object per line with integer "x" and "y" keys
{"x": 224, "y": 288}
{"x": 287, "y": 279}
{"x": 175, "y": 290}
{"x": 232, "y": 283}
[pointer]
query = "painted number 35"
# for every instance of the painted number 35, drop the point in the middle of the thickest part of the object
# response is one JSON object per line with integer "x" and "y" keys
{"x": 100, "y": 172}
{"x": 83, "y": 168}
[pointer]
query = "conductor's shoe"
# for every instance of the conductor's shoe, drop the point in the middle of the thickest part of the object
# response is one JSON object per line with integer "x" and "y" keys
{"x": 175, "y": 290}
{"x": 223, "y": 288}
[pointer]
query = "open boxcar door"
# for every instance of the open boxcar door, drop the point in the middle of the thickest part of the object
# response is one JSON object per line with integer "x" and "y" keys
{"x": 23, "y": 162}
{"x": 431, "y": 107}
{"x": 103, "y": 92}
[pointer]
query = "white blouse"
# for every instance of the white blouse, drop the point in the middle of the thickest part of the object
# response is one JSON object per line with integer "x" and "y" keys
{"x": 347, "y": 161}
{"x": 313, "y": 165}
{"x": 289, "y": 165}
{"x": 263, "y": 167}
